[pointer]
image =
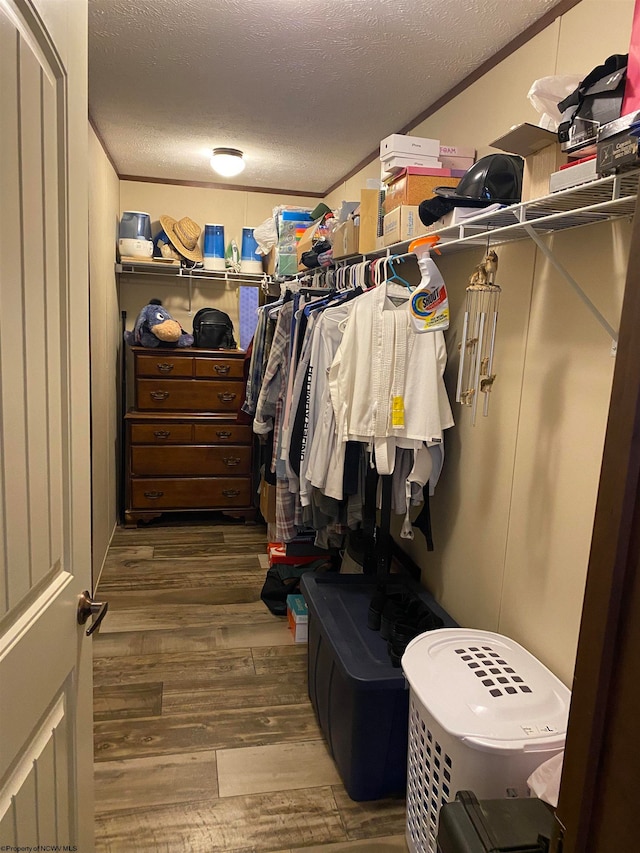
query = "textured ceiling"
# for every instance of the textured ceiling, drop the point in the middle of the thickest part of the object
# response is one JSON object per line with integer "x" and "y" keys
{"x": 306, "y": 89}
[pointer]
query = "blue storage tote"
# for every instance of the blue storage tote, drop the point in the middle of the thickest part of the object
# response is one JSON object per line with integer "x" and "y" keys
{"x": 359, "y": 698}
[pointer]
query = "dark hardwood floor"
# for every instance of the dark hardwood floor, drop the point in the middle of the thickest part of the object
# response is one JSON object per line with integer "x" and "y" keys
{"x": 205, "y": 739}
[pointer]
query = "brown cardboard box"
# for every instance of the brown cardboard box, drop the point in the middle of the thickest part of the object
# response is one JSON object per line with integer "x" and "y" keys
{"x": 269, "y": 262}
{"x": 538, "y": 168}
{"x": 369, "y": 216}
{"x": 412, "y": 189}
{"x": 403, "y": 223}
{"x": 542, "y": 156}
{"x": 346, "y": 239}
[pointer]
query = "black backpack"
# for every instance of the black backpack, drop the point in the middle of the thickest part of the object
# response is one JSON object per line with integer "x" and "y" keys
{"x": 213, "y": 329}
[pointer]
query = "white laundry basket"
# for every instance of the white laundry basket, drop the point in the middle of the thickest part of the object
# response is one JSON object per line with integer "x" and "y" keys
{"x": 483, "y": 714}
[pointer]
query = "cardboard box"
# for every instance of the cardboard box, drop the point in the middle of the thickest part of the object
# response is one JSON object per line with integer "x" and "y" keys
{"x": 413, "y": 186}
{"x": 269, "y": 262}
{"x": 277, "y": 553}
{"x": 617, "y": 153}
{"x": 401, "y": 224}
{"x": 397, "y": 161}
{"x": 455, "y": 217}
{"x": 298, "y": 617}
{"x": 542, "y": 156}
{"x": 538, "y": 169}
{"x": 346, "y": 239}
{"x": 370, "y": 214}
{"x": 268, "y": 502}
{"x": 457, "y": 151}
{"x": 582, "y": 172}
{"x": 449, "y": 162}
{"x": 401, "y": 144}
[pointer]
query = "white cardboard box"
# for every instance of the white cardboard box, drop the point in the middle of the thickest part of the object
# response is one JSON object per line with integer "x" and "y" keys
{"x": 403, "y": 145}
{"x": 403, "y": 223}
{"x": 401, "y": 161}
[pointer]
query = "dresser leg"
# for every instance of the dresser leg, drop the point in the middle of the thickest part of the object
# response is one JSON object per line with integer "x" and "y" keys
{"x": 249, "y": 515}
{"x": 131, "y": 519}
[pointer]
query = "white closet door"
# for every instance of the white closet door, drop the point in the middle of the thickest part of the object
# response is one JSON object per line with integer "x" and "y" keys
{"x": 45, "y": 657}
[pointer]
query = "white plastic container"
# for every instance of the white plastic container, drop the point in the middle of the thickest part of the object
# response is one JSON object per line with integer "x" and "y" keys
{"x": 483, "y": 714}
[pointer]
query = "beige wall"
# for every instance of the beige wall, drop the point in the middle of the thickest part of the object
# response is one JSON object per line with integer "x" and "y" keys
{"x": 104, "y": 195}
{"x": 513, "y": 511}
{"x": 234, "y": 210}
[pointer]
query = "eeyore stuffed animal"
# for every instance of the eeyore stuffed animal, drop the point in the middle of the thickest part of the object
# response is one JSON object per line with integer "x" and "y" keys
{"x": 156, "y": 327}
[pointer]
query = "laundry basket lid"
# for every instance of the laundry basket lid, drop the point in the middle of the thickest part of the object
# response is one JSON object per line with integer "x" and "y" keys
{"x": 487, "y": 690}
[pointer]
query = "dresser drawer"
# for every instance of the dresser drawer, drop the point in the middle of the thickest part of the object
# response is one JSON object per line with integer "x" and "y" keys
{"x": 188, "y": 395}
{"x": 164, "y": 365}
{"x": 190, "y": 493}
{"x": 222, "y": 434}
{"x": 161, "y": 433}
{"x": 219, "y": 368}
{"x": 191, "y": 461}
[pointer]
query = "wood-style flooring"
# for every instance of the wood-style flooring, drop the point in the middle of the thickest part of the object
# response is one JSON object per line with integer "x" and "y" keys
{"x": 205, "y": 739}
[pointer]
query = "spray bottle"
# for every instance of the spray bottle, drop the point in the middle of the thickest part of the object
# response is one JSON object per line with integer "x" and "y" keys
{"x": 429, "y": 304}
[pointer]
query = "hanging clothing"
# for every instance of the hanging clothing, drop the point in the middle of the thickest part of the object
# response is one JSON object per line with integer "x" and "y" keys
{"x": 386, "y": 382}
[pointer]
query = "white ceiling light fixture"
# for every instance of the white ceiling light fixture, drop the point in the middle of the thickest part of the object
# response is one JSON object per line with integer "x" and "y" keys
{"x": 227, "y": 162}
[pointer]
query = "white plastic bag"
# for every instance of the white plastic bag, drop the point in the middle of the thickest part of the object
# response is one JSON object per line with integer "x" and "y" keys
{"x": 547, "y": 92}
{"x": 544, "y": 782}
{"x": 266, "y": 236}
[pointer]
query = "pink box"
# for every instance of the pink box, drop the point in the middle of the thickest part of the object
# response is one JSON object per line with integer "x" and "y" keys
{"x": 457, "y": 151}
{"x": 456, "y": 162}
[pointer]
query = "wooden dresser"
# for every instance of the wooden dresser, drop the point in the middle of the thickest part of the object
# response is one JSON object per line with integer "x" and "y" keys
{"x": 184, "y": 449}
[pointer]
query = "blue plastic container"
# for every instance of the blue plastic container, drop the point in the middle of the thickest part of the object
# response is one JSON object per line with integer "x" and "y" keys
{"x": 360, "y": 698}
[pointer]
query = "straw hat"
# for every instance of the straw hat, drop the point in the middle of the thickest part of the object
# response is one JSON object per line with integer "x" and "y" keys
{"x": 184, "y": 235}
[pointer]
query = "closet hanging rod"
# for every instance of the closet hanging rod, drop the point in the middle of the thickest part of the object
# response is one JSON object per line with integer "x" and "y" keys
{"x": 315, "y": 291}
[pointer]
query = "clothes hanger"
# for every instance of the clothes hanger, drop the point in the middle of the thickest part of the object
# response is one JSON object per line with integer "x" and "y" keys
{"x": 396, "y": 277}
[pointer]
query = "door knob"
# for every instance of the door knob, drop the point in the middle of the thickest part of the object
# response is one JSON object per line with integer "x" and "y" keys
{"x": 88, "y": 607}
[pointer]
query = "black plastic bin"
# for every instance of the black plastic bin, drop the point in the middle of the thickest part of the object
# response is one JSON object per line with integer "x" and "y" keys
{"x": 469, "y": 825}
{"x": 360, "y": 699}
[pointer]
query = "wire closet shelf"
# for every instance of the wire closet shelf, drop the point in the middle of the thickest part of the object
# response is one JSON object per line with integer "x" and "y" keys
{"x": 598, "y": 201}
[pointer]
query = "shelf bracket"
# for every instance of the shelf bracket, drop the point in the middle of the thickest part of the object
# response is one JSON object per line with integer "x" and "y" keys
{"x": 546, "y": 251}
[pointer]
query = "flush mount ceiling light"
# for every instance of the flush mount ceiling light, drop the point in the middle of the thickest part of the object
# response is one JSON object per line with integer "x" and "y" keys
{"x": 227, "y": 161}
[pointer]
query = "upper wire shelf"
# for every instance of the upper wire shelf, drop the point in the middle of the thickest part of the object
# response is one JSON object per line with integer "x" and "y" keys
{"x": 146, "y": 268}
{"x": 598, "y": 201}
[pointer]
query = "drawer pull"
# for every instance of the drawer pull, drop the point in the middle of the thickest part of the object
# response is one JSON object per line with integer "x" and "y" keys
{"x": 162, "y": 433}
{"x": 221, "y": 433}
{"x": 158, "y": 395}
{"x": 226, "y": 397}
{"x": 231, "y": 461}
{"x": 231, "y": 493}
{"x": 153, "y": 496}
{"x": 165, "y": 367}
{"x": 222, "y": 369}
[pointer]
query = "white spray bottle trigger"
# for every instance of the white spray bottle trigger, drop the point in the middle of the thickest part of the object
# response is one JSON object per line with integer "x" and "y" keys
{"x": 429, "y": 304}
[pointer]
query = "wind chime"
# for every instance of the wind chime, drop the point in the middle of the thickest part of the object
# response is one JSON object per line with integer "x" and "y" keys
{"x": 475, "y": 372}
